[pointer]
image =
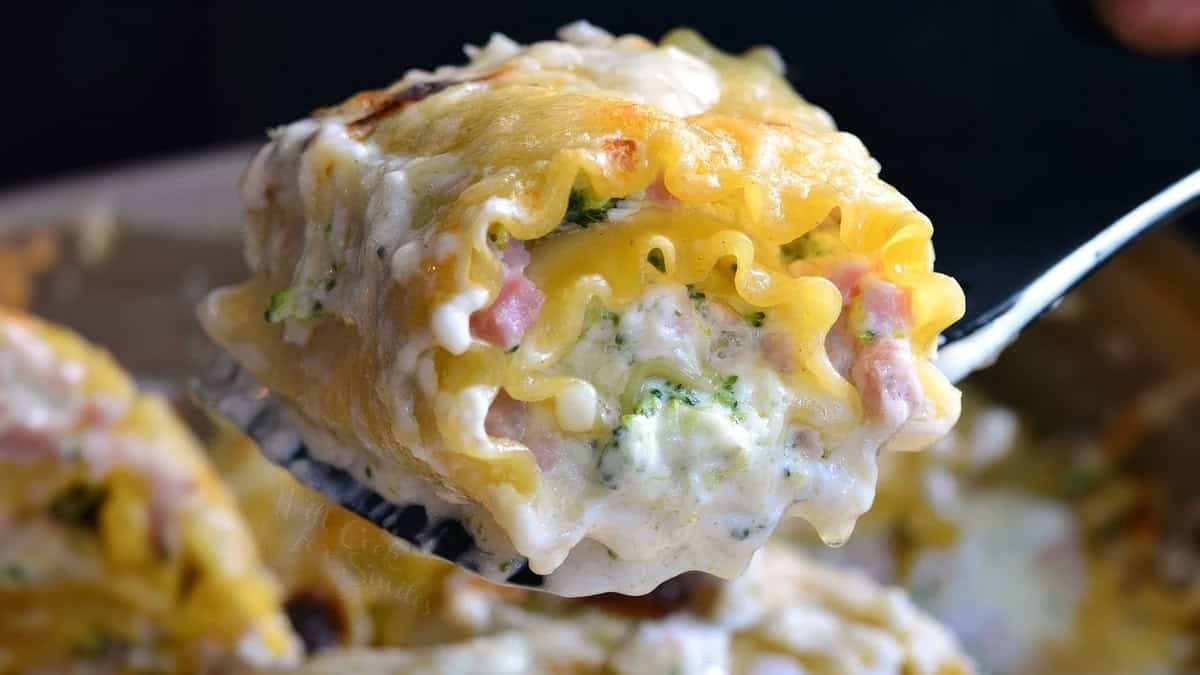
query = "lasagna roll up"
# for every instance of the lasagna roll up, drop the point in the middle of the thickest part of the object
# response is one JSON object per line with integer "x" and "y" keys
{"x": 620, "y": 305}
{"x": 120, "y": 549}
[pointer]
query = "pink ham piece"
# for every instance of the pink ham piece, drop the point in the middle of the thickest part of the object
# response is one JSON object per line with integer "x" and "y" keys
{"x": 659, "y": 195}
{"x": 884, "y": 370}
{"x": 807, "y": 442}
{"x": 870, "y": 346}
{"x": 840, "y": 346}
{"x": 507, "y": 417}
{"x": 778, "y": 352}
{"x": 27, "y": 444}
{"x": 847, "y": 274}
{"x": 886, "y": 377}
{"x": 887, "y": 308}
{"x": 510, "y": 418}
{"x": 516, "y": 307}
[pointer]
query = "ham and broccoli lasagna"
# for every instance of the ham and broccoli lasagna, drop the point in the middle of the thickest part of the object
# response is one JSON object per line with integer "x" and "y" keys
{"x": 624, "y": 305}
{"x": 120, "y": 550}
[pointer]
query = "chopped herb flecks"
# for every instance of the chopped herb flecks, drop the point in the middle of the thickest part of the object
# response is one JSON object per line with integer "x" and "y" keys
{"x": 610, "y": 463}
{"x": 868, "y": 336}
{"x": 651, "y": 402}
{"x": 724, "y": 395}
{"x": 743, "y": 532}
{"x": 292, "y": 304}
{"x": 756, "y": 319}
{"x": 301, "y": 302}
{"x": 695, "y": 295}
{"x": 682, "y": 394}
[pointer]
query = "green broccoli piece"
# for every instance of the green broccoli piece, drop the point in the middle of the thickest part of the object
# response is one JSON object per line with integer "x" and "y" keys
{"x": 584, "y": 208}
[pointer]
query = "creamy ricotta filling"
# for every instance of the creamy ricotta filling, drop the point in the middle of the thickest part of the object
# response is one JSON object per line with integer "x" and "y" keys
{"x": 696, "y": 448}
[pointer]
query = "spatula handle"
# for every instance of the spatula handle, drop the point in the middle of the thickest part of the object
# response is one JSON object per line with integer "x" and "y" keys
{"x": 976, "y": 341}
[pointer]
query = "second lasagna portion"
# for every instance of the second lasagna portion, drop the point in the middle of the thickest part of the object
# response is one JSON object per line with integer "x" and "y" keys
{"x": 364, "y": 604}
{"x": 629, "y": 302}
{"x": 120, "y": 549}
{"x": 785, "y": 616}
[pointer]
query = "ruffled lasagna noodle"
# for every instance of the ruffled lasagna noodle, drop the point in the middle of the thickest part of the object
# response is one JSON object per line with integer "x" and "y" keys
{"x": 119, "y": 548}
{"x": 629, "y": 303}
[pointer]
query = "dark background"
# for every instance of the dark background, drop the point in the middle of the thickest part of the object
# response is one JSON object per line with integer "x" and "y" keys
{"x": 997, "y": 119}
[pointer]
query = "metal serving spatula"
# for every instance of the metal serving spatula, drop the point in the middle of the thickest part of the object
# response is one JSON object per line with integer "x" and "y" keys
{"x": 1000, "y": 305}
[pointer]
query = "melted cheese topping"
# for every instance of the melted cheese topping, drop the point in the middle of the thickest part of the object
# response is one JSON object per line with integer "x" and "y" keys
{"x": 118, "y": 544}
{"x": 377, "y": 231}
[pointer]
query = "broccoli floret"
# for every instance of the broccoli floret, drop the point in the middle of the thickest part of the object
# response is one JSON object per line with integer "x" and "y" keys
{"x": 292, "y": 304}
{"x": 584, "y": 208}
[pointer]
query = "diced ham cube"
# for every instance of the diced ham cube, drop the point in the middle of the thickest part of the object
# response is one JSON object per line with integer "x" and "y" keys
{"x": 28, "y": 444}
{"x": 516, "y": 307}
{"x": 510, "y": 418}
{"x": 507, "y": 417}
{"x": 807, "y": 442}
{"x": 846, "y": 275}
{"x": 885, "y": 374}
{"x": 546, "y": 448}
{"x": 778, "y": 352}
{"x": 515, "y": 256}
{"x": 840, "y": 346}
{"x": 887, "y": 308}
{"x": 868, "y": 343}
{"x": 658, "y": 194}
